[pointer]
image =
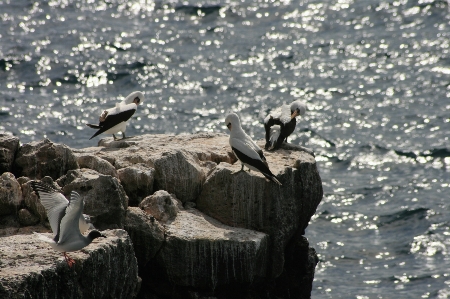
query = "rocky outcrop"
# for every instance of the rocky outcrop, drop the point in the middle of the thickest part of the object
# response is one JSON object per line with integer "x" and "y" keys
{"x": 240, "y": 199}
{"x": 105, "y": 269}
{"x": 44, "y": 158}
{"x": 199, "y": 227}
{"x": 9, "y": 147}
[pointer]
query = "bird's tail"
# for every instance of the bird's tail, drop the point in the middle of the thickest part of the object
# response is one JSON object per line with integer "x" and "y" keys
{"x": 93, "y": 126}
{"x": 274, "y": 134}
{"x": 272, "y": 178}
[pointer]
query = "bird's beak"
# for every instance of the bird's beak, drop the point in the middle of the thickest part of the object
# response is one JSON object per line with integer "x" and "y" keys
{"x": 294, "y": 114}
{"x": 229, "y": 126}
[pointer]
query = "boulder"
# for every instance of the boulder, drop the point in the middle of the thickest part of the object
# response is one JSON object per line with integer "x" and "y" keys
{"x": 248, "y": 200}
{"x": 106, "y": 268}
{"x": 10, "y": 194}
{"x": 161, "y": 205}
{"x": 145, "y": 232}
{"x": 44, "y": 158}
{"x": 95, "y": 163}
{"x": 200, "y": 252}
{"x": 26, "y": 218}
{"x": 105, "y": 199}
{"x": 137, "y": 180}
{"x": 9, "y": 145}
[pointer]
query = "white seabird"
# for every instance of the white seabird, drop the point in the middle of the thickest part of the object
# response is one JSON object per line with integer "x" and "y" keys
{"x": 246, "y": 150}
{"x": 281, "y": 122}
{"x": 64, "y": 218}
{"x": 114, "y": 120}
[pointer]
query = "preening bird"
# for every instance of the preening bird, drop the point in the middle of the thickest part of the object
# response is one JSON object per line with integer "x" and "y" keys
{"x": 66, "y": 219}
{"x": 281, "y": 122}
{"x": 246, "y": 150}
{"x": 114, "y": 120}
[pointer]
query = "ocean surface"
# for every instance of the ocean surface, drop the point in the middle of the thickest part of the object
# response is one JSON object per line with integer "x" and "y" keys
{"x": 374, "y": 74}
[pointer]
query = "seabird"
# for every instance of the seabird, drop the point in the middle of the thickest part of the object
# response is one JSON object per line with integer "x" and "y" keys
{"x": 115, "y": 119}
{"x": 281, "y": 122}
{"x": 52, "y": 199}
{"x": 64, "y": 217}
{"x": 246, "y": 150}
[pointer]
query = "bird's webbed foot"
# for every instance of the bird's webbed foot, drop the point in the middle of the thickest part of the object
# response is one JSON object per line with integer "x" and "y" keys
{"x": 70, "y": 261}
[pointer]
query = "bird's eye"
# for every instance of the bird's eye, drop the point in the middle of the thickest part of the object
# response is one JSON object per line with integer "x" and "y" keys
{"x": 228, "y": 125}
{"x": 137, "y": 99}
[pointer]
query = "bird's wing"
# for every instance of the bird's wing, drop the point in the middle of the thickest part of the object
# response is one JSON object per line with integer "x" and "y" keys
{"x": 54, "y": 203}
{"x": 244, "y": 148}
{"x": 275, "y": 113}
{"x": 255, "y": 147}
{"x": 285, "y": 115}
{"x": 118, "y": 115}
{"x": 69, "y": 227}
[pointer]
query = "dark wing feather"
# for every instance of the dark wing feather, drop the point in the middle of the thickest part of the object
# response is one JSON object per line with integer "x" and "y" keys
{"x": 113, "y": 120}
{"x": 258, "y": 164}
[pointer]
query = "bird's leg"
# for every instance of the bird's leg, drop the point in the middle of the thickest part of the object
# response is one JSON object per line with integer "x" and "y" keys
{"x": 115, "y": 138}
{"x": 242, "y": 169}
{"x": 70, "y": 262}
{"x": 123, "y": 134}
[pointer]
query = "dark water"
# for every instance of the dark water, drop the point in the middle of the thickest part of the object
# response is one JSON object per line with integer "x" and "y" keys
{"x": 375, "y": 75}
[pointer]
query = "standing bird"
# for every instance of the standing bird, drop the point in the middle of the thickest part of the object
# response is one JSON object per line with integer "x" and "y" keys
{"x": 65, "y": 219}
{"x": 281, "y": 122}
{"x": 246, "y": 150}
{"x": 115, "y": 119}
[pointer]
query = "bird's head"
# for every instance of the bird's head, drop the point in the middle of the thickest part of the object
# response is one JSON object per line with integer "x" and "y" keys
{"x": 297, "y": 108}
{"x": 232, "y": 120}
{"x": 135, "y": 97}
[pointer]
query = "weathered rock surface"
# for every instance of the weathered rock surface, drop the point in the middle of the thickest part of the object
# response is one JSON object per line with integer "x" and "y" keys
{"x": 146, "y": 233}
{"x": 44, "y": 158}
{"x": 200, "y": 252}
{"x": 137, "y": 180}
{"x": 95, "y": 163}
{"x": 161, "y": 205}
{"x": 9, "y": 145}
{"x": 105, "y": 199}
{"x": 106, "y": 268}
{"x": 10, "y": 194}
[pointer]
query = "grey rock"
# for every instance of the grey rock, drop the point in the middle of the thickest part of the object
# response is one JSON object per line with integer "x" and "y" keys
{"x": 161, "y": 205}
{"x": 137, "y": 180}
{"x": 9, "y": 145}
{"x": 246, "y": 199}
{"x": 145, "y": 232}
{"x": 95, "y": 163}
{"x": 10, "y": 194}
{"x": 44, "y": 158}
{"x": 212, "y": 254}
{"x": 106, "y": 268}
{"x": 26, "y": 218}
{"x": 105, "y": 200}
